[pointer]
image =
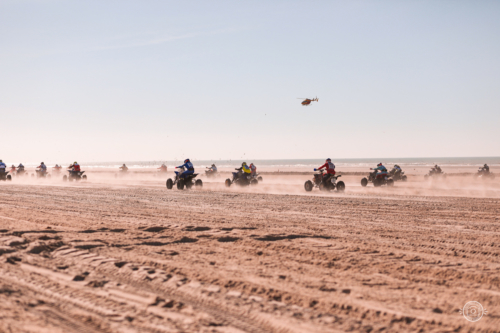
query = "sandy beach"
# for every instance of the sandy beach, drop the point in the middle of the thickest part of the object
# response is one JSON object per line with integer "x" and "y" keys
{"x": 127, "y": 255}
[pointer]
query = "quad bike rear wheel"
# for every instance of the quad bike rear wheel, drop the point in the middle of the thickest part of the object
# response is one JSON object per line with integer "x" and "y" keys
{"x": 254, "y": 182}
{"x": 170, "y": 183}
{"x": 340, "y": 186}
{"x": 377, "y": 182}
{"x": 198, "y": 183}
{"x": 84, "y": 177}
{"x": 9, "y": 177}
{"x": 364, "y": 182}
{"x": 189, "y": 184}
{"x": 308, "y": 186}
{"x": 180, "y": 184}
{"x": 227, "y": 182}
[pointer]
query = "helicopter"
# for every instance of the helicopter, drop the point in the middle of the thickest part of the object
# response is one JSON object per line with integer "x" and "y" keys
{"x": 307, "y": 101}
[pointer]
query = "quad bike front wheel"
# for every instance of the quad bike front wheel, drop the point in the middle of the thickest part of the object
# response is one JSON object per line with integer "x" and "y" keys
{"x": 180, "y": 184}
{"x": 364, "y": 182}
{"x": 198, "y": 183}
{"x": 170, "y": 183}
{"x": 308, "y": 186}
{"x": 340, "y": 186}
{"x": 227, "y": 182}
{"x": 189, "y": 184}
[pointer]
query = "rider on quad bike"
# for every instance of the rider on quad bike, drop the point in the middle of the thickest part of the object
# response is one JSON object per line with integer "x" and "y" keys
{"x": 4, "y": 174}
{"x": 184, "y": 177}
{"x": 75, "y": 173}
{"x": 20, "y": 170}
{"x": 242, "y": 177}
{"x": 327, "y": 181}
{"x": 57, "y": 169}
{"x": 484, "y": 173}
{"x": 378, "y": 178}
{"x": 211, "y": 171}
{"x": 42, "y": 170}
{"x": 397, "y": 174}
{"x": 254, "y": 173}
{"x": 123, "y": 168}
{"x": 163, "y": 168}
{"x": 435, "y": 172}
{"x": 13, "y": 169}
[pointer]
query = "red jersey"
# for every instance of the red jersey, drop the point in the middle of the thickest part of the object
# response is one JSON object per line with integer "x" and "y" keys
{"x": 330, "y": 167}
{"x": 76, "y": 167}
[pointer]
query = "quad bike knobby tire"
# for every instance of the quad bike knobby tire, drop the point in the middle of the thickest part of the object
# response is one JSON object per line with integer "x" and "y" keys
{"x": 364, "y": 182}
{"x": 170, "y": 183}
{"x": 189, "y": 185}
{"x": 340, "y": 186}
{"x": 308, "y": 186}
{"x": 376, "y": 182}
{"x": 404, "y": 178}
{"x": 198, "y": 183}
{"x": 254, "y": 182}
{"x": 84, "y": 178}
{"x": 180, "y": 184}
{"x": 227, "y": 182}
{"x": 9, "y": 178}
{"x": 259, "y": 178}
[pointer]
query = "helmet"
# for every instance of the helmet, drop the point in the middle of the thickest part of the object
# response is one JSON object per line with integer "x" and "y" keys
{"x": 75, "y": 162}
{"x": 436, "y": 166}
{"x": 123, "y": 164}
{"x": 485, "y": 164}
{"x": 41, "y": 163}
{"x": 0, "y": 161}
{"x": 380, "y": 164}
{"x": 244, "y": 163}
{"x": 328, "y": 159}
{"x": 186, "y": 160}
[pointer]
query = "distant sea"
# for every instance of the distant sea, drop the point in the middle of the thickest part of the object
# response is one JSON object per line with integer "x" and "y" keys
{"x": 294, "y": 163}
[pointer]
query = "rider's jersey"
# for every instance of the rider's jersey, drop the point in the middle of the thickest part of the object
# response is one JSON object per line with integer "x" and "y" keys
{"x": 188, "y": 165}
{"x": 381, "y": 168}
{"x": 246, "y": 169}
{"x": 43, "y": 167}
{"x": 2, "y": 165}
{"x": 214, "y": 168}
{"x": 330, "y": 167}
{"x": 76, "y": 167}
{"x": 253, "y": 168}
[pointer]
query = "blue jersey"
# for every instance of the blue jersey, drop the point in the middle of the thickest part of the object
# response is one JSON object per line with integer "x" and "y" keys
{"x": 2, "y": 165}
{"x": 381, "y": 168}
{"x": 188, "y": 165}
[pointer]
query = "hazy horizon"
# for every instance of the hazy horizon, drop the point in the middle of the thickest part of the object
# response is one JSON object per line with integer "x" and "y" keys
{"x": 164, "y": 80}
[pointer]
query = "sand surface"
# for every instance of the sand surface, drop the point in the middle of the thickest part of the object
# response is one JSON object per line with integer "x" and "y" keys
{"x": 127, "y": 255}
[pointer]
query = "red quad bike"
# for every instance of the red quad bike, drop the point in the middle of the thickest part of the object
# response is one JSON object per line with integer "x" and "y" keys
{"x": 75, "y": 175}
{"x": 5, "y": 176}
{"x": 330, "y": 185}
{"x": 377, "y": 180}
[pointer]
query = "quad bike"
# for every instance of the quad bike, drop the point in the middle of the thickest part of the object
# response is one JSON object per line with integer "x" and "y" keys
{"x": 377, "y": 180}
{"x": 398, "y": 175}
{"x": 211, "y": 174}
{"x": 4, "y": 175}
{"x": 483, "y": 174}
{"x": 435, "y": 174}
{"x": 75, "y": 175}
{"x": 21, "y": 172}
{"x": 238, "y": 179}
{"x": 187, "y": 181}
{"x": 331, "y": 184}
{"x": 42, "y": 174}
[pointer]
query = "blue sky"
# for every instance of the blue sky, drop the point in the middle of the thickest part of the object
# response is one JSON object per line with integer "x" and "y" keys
{"x": 153, "y": 80}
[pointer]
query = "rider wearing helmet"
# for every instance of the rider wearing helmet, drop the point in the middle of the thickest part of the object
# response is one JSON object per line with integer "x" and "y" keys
{"x": 163, "y": 168}
{"x": 57, "y": 168}
{"x": 123, "y": 168}
{"x": 20, "y": 167}
{"x": 383, "y": 171}
{"x": 245, "y": 170}
{"x": 42, "y": 167}
{"x": 189, "y": 168}
{"x": 397, "y": 170}
{"x": 75, "y": 167}
{"x": 330, "y": 169}
{"x": 437, "y": 169}
{"x": 486, "y": 168}
{"x": 253, "y": 168}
